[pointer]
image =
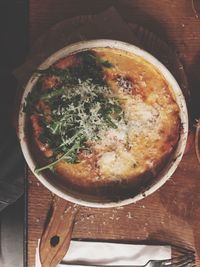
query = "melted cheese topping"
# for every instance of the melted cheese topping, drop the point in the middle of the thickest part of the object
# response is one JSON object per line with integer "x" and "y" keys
{"x": 151, "y": 115}
{"x": 147, "y": 134}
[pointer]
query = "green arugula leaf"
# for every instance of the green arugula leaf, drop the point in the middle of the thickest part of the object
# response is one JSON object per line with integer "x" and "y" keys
{"x": 106, "y": 64}
{"x": 69, "y": 155}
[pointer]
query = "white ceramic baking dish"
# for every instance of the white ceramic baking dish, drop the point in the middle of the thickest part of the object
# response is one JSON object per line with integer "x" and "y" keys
{"x": 167, "y": 171}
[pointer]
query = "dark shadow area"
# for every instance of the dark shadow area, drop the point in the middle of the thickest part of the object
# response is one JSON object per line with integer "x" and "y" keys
{"x": 13, "y": 49}
{"x": 13, "y": 33}
{"x": 194, "y": 83}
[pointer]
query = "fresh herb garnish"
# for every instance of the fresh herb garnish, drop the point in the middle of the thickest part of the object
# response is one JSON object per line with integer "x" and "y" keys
{"x": 52, "y": 94}
{"x": 106, "y": 64}
{"x": 81, "y": 103}
{"x": 31, "y": 100}
{"x": 69, "y": 156}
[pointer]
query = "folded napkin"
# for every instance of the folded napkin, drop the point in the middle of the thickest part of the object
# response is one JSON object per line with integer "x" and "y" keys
{"x": 106, "y": 253}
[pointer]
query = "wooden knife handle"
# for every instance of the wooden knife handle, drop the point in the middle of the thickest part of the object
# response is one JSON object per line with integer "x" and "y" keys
{"x": 56, "y": 237}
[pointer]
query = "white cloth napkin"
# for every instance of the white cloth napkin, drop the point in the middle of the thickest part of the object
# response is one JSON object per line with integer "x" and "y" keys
{"x": 104, "y": 253}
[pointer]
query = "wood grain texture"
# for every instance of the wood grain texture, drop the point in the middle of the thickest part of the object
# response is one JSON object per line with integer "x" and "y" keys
{"x": 172, "y": 214}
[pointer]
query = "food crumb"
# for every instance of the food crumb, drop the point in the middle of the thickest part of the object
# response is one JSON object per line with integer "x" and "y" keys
{"x": 129, "y": 216}
{"x": 65, "y": 211}
{"x": 120, "y": 208}
{"x": 112, "y": 217}
{"x": 90, "y": 216}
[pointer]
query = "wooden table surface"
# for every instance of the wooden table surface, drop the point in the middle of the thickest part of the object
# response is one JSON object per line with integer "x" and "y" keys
{"x": 171, "y": 214}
